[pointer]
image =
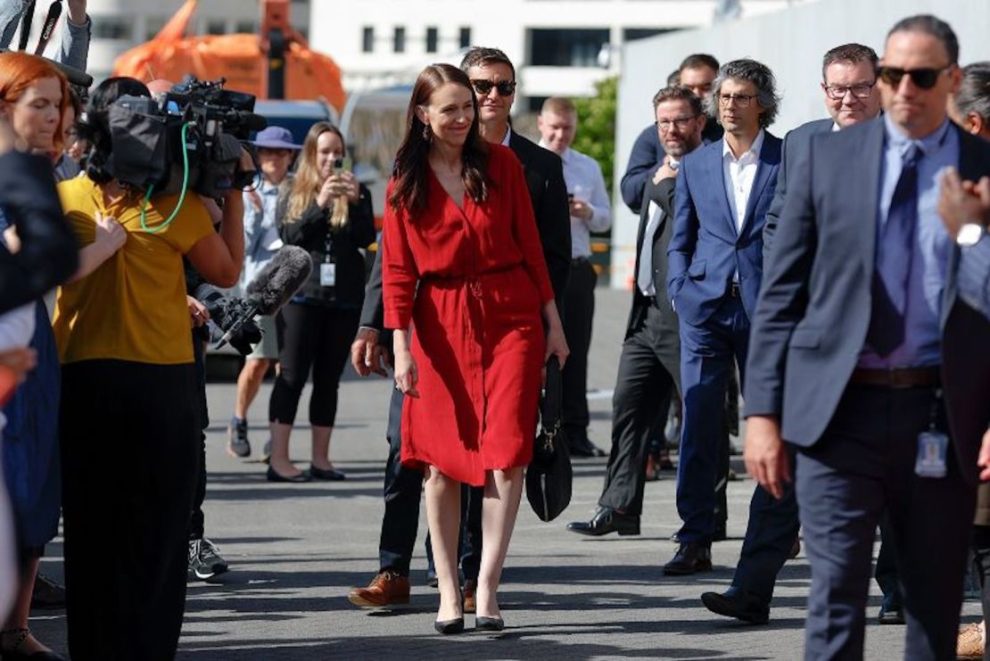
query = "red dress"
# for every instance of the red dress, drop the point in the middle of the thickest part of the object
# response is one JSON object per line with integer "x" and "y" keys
{"x": 478, "y": 337}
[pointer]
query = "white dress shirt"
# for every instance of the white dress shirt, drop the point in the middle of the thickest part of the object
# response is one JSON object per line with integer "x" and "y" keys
{"x": 584, "y": 180}
{"x": 644, "y": 278}
{"x": 740, "y": 173}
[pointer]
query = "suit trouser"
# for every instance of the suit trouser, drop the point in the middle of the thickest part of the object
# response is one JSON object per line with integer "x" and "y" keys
{"x": 579, "y": 306}
{"x": 130, "y": 455}
{"x": 649, "y": 371}
{"x": 402, "y": 490}
{"x": 707, "y": 355}
{"x": 198, "y": 520}
{"x": 862, "y": 465}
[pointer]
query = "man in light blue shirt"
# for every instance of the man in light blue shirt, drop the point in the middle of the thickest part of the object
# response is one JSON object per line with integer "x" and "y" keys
{"x": 73, "y": 48}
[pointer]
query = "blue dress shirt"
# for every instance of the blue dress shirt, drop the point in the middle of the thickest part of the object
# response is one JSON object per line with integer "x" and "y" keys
{"x": 974, "y": 276}
{"x": 930, "y": 258}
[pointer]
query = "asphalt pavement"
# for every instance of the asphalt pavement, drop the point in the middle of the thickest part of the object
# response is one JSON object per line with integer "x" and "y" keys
{"x": 296, "y": 550}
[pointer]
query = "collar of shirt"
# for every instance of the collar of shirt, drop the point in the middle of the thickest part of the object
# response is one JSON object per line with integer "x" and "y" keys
{"x": 566, "y": 157}
{"x": 748, "y": 156}
{"x": 835, "y": 127}
{"x": 899, "y": 142}
{"x": 508, "y": 136}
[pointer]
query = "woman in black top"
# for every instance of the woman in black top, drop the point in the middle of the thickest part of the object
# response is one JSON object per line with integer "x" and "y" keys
{"x": 329, "y": 214}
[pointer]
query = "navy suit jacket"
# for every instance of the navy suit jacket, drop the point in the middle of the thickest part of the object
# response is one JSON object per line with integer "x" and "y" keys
{"x": 814, "y": 308}
{"x": 795, "y": 149}
{"x": 706, "y": 248}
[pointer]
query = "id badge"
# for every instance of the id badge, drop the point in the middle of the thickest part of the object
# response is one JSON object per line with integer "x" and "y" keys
{"x": 932, "y": 447}
{"x": 328, "y": 274}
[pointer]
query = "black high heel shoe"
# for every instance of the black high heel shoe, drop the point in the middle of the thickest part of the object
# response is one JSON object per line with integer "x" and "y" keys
{"x": 447, "y": 627}
{"x": 482, "y": 623}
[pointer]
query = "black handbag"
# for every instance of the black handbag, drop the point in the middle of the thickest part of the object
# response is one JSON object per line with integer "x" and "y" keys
{"x": 549, "y": 476}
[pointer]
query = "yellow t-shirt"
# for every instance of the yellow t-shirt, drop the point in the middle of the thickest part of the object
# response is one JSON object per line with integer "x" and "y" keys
{"x": 133, "y": 306}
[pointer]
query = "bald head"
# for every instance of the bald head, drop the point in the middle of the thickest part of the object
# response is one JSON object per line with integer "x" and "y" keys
{"x": 160, "y": 86}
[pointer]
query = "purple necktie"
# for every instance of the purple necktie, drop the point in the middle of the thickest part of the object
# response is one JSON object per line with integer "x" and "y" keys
{"x": 892, "y": 270}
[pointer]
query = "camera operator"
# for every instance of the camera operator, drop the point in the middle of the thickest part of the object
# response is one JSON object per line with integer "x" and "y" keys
{"x": 129, "y": 419}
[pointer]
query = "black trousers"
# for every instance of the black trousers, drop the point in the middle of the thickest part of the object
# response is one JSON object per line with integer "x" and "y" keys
{"x": 130, "y": 458}
{"x": 311, "y": 337}
{"x": 579, "y": 312}
{"x": 862, "y": 466}
{"x": 198, "y": 520}
{"x": 649, "y": 374}
{"x": 402, "y": 490}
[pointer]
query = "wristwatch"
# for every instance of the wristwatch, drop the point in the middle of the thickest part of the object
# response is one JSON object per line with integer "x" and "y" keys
{"x": 970, "y": 234}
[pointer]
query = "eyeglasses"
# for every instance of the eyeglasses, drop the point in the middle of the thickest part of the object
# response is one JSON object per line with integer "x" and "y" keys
{"x": 925, "y": 78}
{"x": 483, "y": 87}
{"x": 680, "y": 122}
{"x": 742, "y": 100}
{"x": 838, "y": 92}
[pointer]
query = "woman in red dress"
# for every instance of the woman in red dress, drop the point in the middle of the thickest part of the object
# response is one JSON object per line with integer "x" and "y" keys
{"x": 463, "y": 266}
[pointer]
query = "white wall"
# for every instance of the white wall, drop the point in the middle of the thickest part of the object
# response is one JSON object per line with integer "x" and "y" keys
{"x": 792, "y": 44}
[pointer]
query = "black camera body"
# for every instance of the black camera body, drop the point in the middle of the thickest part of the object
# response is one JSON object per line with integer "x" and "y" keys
{"x": 188, "y": 140}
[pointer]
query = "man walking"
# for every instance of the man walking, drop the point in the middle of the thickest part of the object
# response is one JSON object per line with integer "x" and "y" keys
{"x": 851, "y": 96}
{"x": 649, "y": 366}
{"x": 862, "y": 375}
{"x": 715, "y": 266}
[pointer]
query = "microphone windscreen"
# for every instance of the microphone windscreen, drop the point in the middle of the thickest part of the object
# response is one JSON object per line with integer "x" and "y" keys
{"x": 280, "y": 279}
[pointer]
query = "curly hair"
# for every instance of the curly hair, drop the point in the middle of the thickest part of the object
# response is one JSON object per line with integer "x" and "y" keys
{"x": 754, "y": 72}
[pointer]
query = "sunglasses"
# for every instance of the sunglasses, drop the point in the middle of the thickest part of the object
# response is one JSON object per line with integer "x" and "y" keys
{"x": 924, "y": 78}
{"x": 483, "y": 87}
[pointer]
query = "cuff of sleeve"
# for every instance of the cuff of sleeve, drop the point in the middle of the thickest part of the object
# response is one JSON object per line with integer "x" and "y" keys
{"x": 396, "y": 320}
{"x": 78, "y": 29}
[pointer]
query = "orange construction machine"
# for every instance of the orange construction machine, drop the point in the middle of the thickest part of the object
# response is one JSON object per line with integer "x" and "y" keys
{"x": 276, "y": 63}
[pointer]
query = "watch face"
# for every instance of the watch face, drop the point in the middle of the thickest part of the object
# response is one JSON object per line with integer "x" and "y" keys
{"x": 969, "y": 234}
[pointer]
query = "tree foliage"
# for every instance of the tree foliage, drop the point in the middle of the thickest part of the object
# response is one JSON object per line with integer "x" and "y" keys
{"x": 596, "y": 126}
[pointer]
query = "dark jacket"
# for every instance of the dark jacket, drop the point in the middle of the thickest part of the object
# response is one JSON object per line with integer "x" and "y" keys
{"x": 310, "y": 232}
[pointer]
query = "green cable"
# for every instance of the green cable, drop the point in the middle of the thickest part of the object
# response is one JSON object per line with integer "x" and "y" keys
{"x": 182, "y": 195}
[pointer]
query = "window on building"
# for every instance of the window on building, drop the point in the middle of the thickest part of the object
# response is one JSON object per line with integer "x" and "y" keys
{"x": 367, "y": 39}
{"x": 567, "y": 47}
{"x": 632, "y": 34}
{"x": 464, "y": 37}
{"x": 216, "y": 26}
{"x": 432, "y": 37}
{"x": 245, "y": 27}
{"x": 112, "y": 27}
{"x": 399, "y": 40}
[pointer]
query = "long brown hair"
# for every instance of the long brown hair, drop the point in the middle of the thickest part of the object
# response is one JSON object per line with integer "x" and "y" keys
{"x": 411, "y": 162}
{"x": 307, "y": 182}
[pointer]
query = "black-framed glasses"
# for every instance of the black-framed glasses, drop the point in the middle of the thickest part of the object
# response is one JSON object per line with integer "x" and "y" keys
{"x": 741, "y": 100}
{"x": 680, "y": 122}
{"x": 924, "y": 78}
{"x": 483, "y": 86}
{"x": 838, "y": 92}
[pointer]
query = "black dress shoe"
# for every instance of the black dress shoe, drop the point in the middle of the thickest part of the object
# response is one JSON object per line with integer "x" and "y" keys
{"x": 274, "y": 476}
{"x": 605, "y": 521}
{"x": 582, "y": 447}
{"x": 447, "y": 627}
{"x": 489, "y": 623}
{"x": 691, "y": 558}
{"x": 891, "y": 611}
{"x": 329, "y": 474}
{"x": 739, "y": 605}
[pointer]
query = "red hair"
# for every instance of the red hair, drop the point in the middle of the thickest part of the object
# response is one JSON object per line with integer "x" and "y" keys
{"x": 18, "y": 71}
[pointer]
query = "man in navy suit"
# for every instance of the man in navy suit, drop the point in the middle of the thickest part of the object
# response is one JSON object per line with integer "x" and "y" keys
{"x": 864, "y": 357}
{"x": 715, "y": 264}
{"x": 851, "y": 96}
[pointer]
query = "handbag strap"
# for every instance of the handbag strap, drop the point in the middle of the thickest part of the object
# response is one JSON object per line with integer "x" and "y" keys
{"x": 551, "y": 408}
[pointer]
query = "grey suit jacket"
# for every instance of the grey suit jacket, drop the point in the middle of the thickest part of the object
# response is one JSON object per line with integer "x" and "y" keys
{"x": 814, "y": 307}
{"x": 796, "y": 144}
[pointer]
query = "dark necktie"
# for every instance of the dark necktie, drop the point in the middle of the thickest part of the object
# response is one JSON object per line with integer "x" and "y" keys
{"x": 892, "y": 270}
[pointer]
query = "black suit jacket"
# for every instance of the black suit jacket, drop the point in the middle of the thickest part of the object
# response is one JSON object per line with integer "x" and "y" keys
{"x": 49, "y": 252}
{"x": 544, "y": 173}
{"x": 663, "y": 195}
{"x": 814, "y": 307}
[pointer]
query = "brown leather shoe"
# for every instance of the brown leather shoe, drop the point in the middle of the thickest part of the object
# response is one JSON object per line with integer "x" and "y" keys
{"x": 970, "y": 643}
{"x": 388, "y": 588}
{"x": 470, "y": 588}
